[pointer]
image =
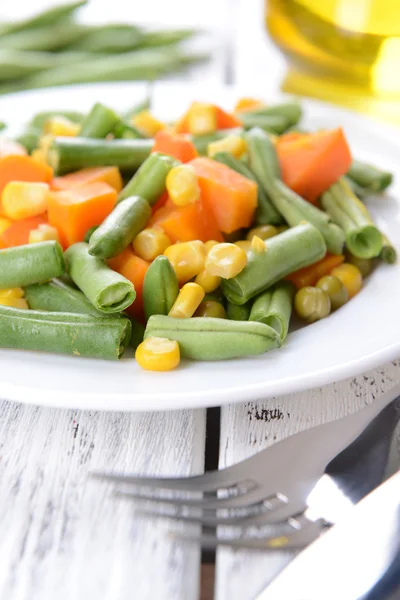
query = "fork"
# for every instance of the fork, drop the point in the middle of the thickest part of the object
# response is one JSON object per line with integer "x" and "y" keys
{"x": 270, "y": 488}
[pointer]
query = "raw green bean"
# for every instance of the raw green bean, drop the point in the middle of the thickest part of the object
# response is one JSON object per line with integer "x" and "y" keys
{"x": 99, "y": 122}
{"x": 107, "y": 290}
{"x": 160, "y": 287}
{"x": 65, "y": 333}
{"x": 266, "y": 212}
{"x": 68, "y": 154}
{"x": 126, "y": 131}
{"x": 274, "y": 307}
{"x": 57, "y": 296}
{"x": 369, "y": 177}
{"x": 45, "y": 39}
{"x": 238, "y": 313}
{"x": 201, "y": 142}
{"x": 285, "y": 253}
{"x": 208, "y": 338}
{"x": 363, "y": 239}
{"x": 40, "y": 119}
{"x": 15, "y": 64}
{"x": 46, "y": 17}
{"x": 149, "y": 181}
{"x": 33, "y": 263}
{"x": 166, "y": 37}
{"x": 109, "y": 39}
{"x": 120, "y": 228}
{"x": 388, "y": 253}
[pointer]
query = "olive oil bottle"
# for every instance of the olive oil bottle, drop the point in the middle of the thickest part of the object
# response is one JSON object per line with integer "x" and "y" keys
{"x": 342, "y": 51}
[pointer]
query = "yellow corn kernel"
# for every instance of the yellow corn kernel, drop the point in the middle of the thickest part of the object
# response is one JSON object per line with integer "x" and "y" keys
{"x": 43, "y": 233}
{"x": 11, "y": 293}
{"x": 209, "y": 244}
{"x": 208, "y": 282}
{"x": 247, "y": 103}
{"x": 61, "y": 126}
{"x": 187, "y": 302}
{"x": 15, "y": 303}
{"x": 150, "y": 243}
{"x": 39, "y": 156}
{"x": 234, "y": 144}
{"x": 147, "y": 123}
{"x": 263, "y": 231}
{"x": 202, "y": 118}
{"x": 211, "y": 308}
{"x": 45, "y": 142}
{"x": 4, "y": 224}
{"x": 257, "y": 244}
{"x": 226, "y": 260}
{"x": 187, "y": 258}
{"x": 158, "y": 354}
{"x": 350, "y": 276}
{"x": 21, "y": 199}
{"x": 244, "y": 245}
{"x": 182, "y": 185}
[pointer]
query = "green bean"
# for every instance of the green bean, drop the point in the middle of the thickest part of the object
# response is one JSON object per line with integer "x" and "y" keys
{"x": 65, "y": 333}
{"x": 207, "y": 338}
{"x": 201, "y": 142}
{"x": 166, "y": 37}
{"x": 266, "y": 212}
{"x": 238, "y": 313}
{"x": 388, "y": 253}
{"x": 15, "y": 64}
{"x": 263, "y": 158}
{"x": 33, "y": 263}
{"x": 160, "y": 287}
{"x": 271, "y": 124}
{"x": 67, "y": 154}
{"x": 274, "y": 307}
{"x": 126, "y": 131}
{"x": 99, "y": 122}
{"x": 359, "y": 191}
{"x": 363, "y": 239}
{"x": 369, "y": 177}
{"x": 29, "y": 139}
{"x": 2, "y": 125}
{"x": 40, "y": 119}
{"x": 57, "y": 296}
{"x": 120, "y": 228}
{"x": 137, "y": 108}
{"x": 89, "y": 232}
{"x": 149, "y": 180}
{"x": 45, "y": 39}
{"x": 109, "y": 39}
{"x": 46, "y": 17}
{"x": 107, "y": 290}
{"x": 285, "y": 253}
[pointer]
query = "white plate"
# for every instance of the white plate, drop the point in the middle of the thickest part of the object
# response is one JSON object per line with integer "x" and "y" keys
{"x": 362, "y": 335}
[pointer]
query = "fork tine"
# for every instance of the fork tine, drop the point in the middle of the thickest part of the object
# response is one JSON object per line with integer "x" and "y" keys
{"x": 293, "y": 541}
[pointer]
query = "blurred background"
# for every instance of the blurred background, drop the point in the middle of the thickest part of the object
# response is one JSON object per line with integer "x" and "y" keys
{"x": 342, "y": 51}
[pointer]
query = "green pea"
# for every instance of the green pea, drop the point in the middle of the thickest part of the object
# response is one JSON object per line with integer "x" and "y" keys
{"x": 364, "y": 265}
{"x": 312, "y": 304}
{"x": 338, "y": 294}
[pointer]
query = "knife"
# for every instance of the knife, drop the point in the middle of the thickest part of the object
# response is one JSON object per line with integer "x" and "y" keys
{"x": 357, "y": 559}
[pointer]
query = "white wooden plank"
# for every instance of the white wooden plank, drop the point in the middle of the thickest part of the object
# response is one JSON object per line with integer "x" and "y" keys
{"x": 63, "y": 536}
{"x": 248, "y": 428}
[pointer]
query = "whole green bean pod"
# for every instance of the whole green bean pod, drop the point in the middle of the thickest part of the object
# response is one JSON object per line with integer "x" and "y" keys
{"x": 47, "y": 39}
{"x": 149, "y": 180}
{"x": 274, "y": 307}
{"x": 57, "y": 296}
{"x": 160, "y": 287}
{"x": 369, "y": 177}
{"x": 285, "y": 253}
{"x": 99, "y": 122}
{"x": 201, "y": 142}
{"x": 65, "y": 333}
{"x": 33, "y": 263}
{"x": 388, "y": 253}
{"x": 46, "y": 17}
{"x": 166, "y": 37}
{"x": 208, "y": 338}
{"x": 266, "y": 213}
{"x": 234, "y": 312}
{"x": 120, "y": 228}
{"x": 15, "y": 64}
{"x": 107, "y": 290}
{"x": 363, "y": 239}
{"x": 67, "y": 154}
{"x": 109, "y": 39}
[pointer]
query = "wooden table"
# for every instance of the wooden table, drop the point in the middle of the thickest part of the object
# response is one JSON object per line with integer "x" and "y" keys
{"x": 63, "y": 536}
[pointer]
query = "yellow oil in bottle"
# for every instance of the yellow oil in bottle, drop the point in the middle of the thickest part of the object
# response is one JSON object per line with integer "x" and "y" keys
{"x": 341, "y": 51}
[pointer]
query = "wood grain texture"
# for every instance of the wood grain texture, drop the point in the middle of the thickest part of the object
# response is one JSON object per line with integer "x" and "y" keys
{"x": 63, "y": 536}
{"x": 249, "y": 428}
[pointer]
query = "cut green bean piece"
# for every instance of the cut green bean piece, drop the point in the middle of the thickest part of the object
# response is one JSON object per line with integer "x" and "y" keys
{"x": 33, "y": 263}
{"x": 64, "y": 333}
{"x": 149, "y": 181}
{"x": 208, "y": 338}
{"x": 369, "y": 177}
{"x": 201, "y": 142}
{"x": 120, "y": 228}
{"x": 107, "y": 290}
{"x": 285, "y": 253}
{"x": 388, "y": 253}
{"x": 238, "y": 313}
{"x": 274, "y": 307}
{"x": 57, "y": 296}
{"x": 99, "y": 122}
{"x": 89, "y": 232}
{"x": 160, "y": 287}
{"x": 272, "y": 124}
{"x": 363, "y": 239}
{"x": 125, "y": 131}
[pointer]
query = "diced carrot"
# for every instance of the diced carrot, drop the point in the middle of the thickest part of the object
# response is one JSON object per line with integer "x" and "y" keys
{"x": 310, "y": 275}
{"x": 175, "y": 145}
{"x": 9, "y": 147}
{"x": 133, "y": 268}
{"x": 187, "y": 223}
{"x": 291, "y": 136}
{"x": 313, "y": 162}
{"x": 160, "y": 202}
{"x": 18, "y": 232}
{"x": 225, "y": 120}
{"x": 75, "y": 210}
{"x": 14, "y": 167}
{"x": 229, "y": 196}
{"x": 110, "y": 175}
